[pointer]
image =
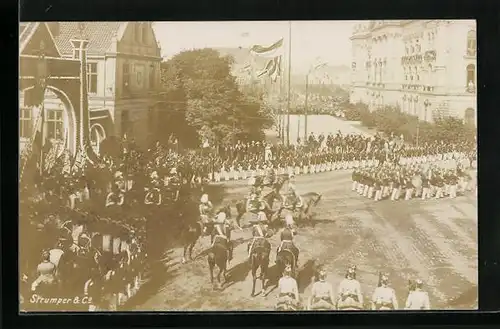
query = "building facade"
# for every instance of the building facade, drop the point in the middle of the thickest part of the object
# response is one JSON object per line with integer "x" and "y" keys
{"x": 427, "y": 68}
{"x": 123, "y": 78}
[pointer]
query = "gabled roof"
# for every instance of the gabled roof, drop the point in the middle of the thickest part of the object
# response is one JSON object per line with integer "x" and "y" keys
{"x": 99, "y": 34}
{"x": 38, "y": 31}
{"x": 26, "y": 30}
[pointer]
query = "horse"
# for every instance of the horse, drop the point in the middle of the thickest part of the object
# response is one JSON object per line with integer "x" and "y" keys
{"x": 194, "y": 230}
{"x": 259, "y": 258}
{"x": 218, "y": 255}
{"x": 309, "y": 201}
{"x": 270, "y": 197}
{"x": 284, "y": 257}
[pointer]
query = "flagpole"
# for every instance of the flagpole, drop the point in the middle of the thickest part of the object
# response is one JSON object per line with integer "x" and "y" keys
{"x": 289, "y": 80}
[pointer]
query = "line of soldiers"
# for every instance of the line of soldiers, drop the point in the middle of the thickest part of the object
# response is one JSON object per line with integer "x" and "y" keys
{"x": 395, "y": 181}
{"x": 349, "y": 295}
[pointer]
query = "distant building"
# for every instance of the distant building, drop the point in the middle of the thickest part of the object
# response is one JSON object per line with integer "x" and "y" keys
{"x": 123, "y": 76}
{"x": 426, "y": 67}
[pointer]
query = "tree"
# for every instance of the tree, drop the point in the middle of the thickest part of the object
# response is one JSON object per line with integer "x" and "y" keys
{"x": 209, "y": 105}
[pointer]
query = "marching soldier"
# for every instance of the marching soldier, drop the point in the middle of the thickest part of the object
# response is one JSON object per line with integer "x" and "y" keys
{"x": 384, "y": 297}
{"x": 417, "y": 299}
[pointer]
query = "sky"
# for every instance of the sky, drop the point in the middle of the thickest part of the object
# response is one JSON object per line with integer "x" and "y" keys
{"x": 312, "y": 41}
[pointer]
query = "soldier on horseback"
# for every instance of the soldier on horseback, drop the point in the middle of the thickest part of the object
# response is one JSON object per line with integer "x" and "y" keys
{"x": 292, "y": 200}
{"x": 260, "y": 230}
{"x": 286, "y": 238}
{"x": 418, "y": 299}
{"x": 205, "y": 209}
{"x": 384, "y": 297}
{"x": 222, "y": 230}
{"x": 349, "y": 293}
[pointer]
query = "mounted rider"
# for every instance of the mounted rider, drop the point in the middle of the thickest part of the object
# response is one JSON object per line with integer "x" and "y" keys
{"x": 349, "y": 292}
{"x": 384, "y": 297}
{"x": 206, "y": 210}
{"x": 288, "y": 291}
{"x": 418, "y": 299}
{"x": 286, "y": 243}
{"x": 222, "y": 229}
{"x": 46, "y": 271}
{"x": 292, "y": 200}
{"x": 260, "y": 230}
{"x": 321, "y": 293}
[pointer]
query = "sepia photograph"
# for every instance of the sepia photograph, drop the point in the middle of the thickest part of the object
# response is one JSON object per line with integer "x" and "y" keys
{"x": 248, "y": 166}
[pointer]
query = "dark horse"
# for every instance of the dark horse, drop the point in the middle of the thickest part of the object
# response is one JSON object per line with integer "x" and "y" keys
{"x": 241, "y": 205}
{"x": 220, "y": 252}
{"x": 194, "y": 230}
{"x": 286, "y": 255}
{"x": 259, "y": 258}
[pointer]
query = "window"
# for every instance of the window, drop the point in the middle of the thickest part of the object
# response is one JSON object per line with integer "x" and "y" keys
{"x": 54, "y": 120}
{"x": 152, "y": 76}
{"x": 126, "y": 76}
{"x": 471, "y": 43}
{"x": 471, "y": 78}
{"x": 25, "y": 124}
{"x": 92, "y": 78}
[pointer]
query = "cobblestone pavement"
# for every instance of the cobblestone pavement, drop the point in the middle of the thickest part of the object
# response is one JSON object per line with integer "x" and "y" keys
{"x": 435, "y": 240}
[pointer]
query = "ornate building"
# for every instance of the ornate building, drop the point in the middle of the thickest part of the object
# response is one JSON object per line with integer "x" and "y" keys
{"x": 425, "y": 67}
{"x": 122, "y": 77}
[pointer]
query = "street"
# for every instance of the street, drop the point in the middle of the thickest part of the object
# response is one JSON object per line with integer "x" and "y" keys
{"x": 434, "y": 240}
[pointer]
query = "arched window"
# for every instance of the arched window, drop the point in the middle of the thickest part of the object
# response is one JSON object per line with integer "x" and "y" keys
{"x": 471, "y": 43}
{"x": 471, "y": 78}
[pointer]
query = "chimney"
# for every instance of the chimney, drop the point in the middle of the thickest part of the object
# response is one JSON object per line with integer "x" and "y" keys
{"x": 54, "y": 28}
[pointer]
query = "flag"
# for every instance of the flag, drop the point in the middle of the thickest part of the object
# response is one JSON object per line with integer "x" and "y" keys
{"x": 275, "y": 50}
{"x": 272, "y": 69}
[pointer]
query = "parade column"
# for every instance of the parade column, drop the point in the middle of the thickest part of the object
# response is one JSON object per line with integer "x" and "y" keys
{"x": 80, "y": 44}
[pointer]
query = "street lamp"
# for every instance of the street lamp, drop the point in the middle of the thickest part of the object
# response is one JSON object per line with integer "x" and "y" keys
{"x": 312, "y": 69}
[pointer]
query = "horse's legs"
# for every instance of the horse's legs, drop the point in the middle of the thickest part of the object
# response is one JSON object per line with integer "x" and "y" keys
{"x": 211, "y": 264}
